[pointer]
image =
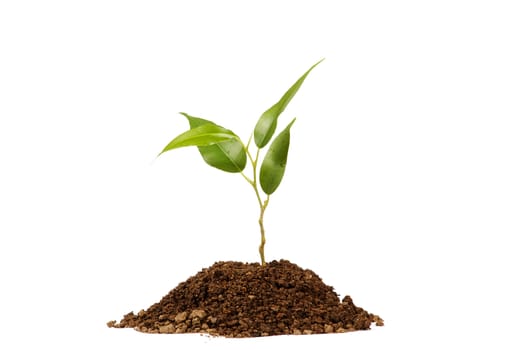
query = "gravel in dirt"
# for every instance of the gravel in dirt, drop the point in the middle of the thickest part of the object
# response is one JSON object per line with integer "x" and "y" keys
{"x": 234, "y": 299}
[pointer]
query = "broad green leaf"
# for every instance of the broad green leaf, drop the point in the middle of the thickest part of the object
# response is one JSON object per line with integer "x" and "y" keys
{"x": 229, "y": 155}
{"x": 265, "y": 127}
{"x": 204, "y": 135}
{"x": 274, "y": 163}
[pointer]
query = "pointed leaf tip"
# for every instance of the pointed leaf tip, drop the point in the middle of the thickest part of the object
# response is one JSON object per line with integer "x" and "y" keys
{"x": 267, "y": 123}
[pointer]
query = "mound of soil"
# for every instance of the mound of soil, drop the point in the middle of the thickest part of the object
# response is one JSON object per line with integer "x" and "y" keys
{"x": 234, "y": 299}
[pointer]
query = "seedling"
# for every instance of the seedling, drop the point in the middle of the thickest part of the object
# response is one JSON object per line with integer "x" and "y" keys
{"x": 221, "y": 148}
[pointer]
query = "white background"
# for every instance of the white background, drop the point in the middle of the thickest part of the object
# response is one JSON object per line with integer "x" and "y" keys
{"x": 405, "y": 184}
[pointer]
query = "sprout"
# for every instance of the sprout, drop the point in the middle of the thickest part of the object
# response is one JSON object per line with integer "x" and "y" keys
{"x": 221, "y": 148}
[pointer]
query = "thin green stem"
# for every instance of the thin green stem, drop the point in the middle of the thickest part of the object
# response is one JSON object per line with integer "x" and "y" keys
{"x": 255, "y": 187}
{"x": 261, "y": 226}
{"x": 262, "y": 205}
{"x": 247, "y": 179}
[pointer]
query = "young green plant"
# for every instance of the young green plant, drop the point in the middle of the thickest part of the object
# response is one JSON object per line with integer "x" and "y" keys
{"x": 221, "y": 148}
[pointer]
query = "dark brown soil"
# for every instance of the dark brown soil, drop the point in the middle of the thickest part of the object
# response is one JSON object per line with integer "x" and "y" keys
{"x": 234, "y": 299}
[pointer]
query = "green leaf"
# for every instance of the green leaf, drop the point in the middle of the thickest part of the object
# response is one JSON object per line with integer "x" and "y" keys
{"x": 265, "y": 127}
{"x": 274, "y": 163}
{"x": 203, "y": 135}
{"x": 229, "y": 156}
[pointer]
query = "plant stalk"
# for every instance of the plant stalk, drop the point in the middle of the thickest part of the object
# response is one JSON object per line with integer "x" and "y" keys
{"x": 261, "y": 225}
{"x": 262, "y": 205}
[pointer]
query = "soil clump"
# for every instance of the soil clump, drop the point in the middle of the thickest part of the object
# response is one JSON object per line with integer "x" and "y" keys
{"x": 234, "y": 299}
